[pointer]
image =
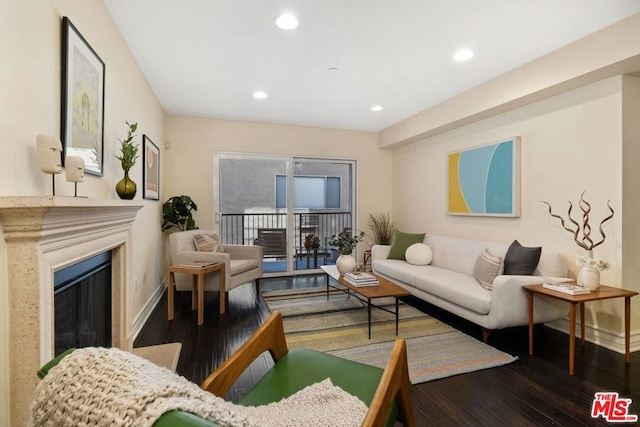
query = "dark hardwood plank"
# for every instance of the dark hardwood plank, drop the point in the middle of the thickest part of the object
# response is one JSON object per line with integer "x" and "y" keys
{"x": 535, "y": 390}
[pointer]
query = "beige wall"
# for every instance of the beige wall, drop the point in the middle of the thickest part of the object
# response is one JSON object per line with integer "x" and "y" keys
{"x": 570, "y": 143}
{"x": 30, "y": 104}
{"x": 189, "y": 161}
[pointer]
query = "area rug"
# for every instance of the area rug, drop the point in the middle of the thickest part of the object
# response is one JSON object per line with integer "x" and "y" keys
{"x": 339, "y": 327}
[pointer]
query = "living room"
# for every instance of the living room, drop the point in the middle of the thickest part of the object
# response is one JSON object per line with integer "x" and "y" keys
{"x": 575, "y": 110}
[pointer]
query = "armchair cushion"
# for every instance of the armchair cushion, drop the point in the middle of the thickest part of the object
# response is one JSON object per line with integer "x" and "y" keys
{"x": 241, "y": 265}
{"x": 300, "y": 367}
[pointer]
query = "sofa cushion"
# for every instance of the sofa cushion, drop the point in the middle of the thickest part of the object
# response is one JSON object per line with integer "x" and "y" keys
{"x": 488, "y": 267}
{"x": 207, "y": 242}
{"x": 404, "y": 272}
{"x": 457, "y": 288}
{"x": 458, "y": 254}
{"x": 400, "y": 241}
{"x": 419, "y": 254}
{"x": 521, "y": 260}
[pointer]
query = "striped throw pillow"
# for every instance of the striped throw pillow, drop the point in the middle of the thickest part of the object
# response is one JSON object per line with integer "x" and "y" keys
{"x": 208, "y": 242}
{"x": 488, "y": 267}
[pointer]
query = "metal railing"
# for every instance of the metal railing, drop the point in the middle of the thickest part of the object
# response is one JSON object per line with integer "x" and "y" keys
{"x": 243, "y": 228}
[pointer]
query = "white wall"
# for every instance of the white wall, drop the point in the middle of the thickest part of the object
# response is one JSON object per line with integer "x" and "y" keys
{"x": 570, "y": 143}
{"x": 189, "y": 162}
{"x": 30, "y": 104}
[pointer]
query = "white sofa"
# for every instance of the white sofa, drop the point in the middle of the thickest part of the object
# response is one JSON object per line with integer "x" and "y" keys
{"x": 449, "y": 283}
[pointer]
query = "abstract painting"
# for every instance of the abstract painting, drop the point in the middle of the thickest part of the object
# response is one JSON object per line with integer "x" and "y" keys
{"x": 82, "y": 118}
{"x": 485, "y": 180}
{"x": 150, "y": 169}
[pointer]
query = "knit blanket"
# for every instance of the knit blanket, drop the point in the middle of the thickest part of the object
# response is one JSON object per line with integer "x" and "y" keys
{"x": 111, "y": 387}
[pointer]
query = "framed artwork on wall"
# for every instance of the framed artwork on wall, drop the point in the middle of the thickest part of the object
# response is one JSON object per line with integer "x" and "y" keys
{"x": 150, "y": 169}
{"x": 485, "y": 180}
{"x": 82, "y": 118}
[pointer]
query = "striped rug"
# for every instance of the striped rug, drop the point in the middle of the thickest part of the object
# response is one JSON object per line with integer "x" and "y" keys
{"x": 339, "y": 327}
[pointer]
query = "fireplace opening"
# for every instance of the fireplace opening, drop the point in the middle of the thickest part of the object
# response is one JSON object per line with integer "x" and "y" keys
{"x": 82, "y": 304}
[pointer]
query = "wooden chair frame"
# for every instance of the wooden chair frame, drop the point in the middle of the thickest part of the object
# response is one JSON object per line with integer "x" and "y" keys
{"x": 394, "y": 384}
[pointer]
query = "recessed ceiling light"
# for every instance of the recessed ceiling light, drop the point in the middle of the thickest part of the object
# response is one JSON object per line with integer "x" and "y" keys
{"x": 463, "y": 55}
{"x": 259, "y": 94}
{"x": 333, "y": 70}
{"x": 377, "y": 108}
{"x": 287, "y": 21}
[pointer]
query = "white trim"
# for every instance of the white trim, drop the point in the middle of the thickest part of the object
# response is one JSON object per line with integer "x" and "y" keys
{"x": 607, "y": 339}
{"x": 147, "y": 310}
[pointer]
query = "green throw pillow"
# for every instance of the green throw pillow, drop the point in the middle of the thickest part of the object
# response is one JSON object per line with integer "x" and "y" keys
{"x": 401, "y": 241}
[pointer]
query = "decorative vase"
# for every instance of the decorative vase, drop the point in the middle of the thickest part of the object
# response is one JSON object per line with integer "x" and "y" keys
{"x": 126, "y": 188}
{"x": 346, "y": 264}
{"x": 589, "y": 277}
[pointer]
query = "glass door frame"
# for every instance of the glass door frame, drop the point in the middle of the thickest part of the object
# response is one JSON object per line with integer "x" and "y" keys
{"x": 290, "y": 162}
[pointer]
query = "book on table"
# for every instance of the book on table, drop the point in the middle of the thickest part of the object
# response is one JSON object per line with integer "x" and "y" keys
{"x": 198, "y": 264}
{"x": 567, "y": 288}
{"x": 361, "y": 279}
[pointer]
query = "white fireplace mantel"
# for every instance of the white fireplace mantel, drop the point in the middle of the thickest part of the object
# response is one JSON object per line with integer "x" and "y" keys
{"x": 43, "y": 235}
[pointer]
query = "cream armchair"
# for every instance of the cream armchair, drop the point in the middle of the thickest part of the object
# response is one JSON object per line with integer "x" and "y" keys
{"x": 243, "y": 264}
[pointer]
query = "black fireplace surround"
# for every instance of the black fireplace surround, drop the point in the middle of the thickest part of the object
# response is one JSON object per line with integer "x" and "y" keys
{"x": 82, "y": 304}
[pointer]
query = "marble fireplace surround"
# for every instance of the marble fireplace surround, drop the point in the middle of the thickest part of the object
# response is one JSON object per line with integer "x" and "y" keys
{"x": 44, "y": 234}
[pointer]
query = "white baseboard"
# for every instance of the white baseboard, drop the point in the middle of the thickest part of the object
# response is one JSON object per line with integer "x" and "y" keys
{"x": 612, "y": 341}
{"x": 141, "y": 319}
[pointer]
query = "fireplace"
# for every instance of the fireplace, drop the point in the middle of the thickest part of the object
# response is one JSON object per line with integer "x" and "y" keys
{"x": 82, "y": 304}
{"x": 45, "y": 235}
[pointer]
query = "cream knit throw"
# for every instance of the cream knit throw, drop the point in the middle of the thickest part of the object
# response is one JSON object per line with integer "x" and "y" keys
{"x": 111, "y": 387}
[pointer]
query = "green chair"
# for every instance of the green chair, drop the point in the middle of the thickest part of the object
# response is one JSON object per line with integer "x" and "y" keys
{"x": 386, "y": 392}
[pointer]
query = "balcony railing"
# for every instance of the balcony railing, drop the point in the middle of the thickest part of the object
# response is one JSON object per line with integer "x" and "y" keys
{"x": 244, "y": 228}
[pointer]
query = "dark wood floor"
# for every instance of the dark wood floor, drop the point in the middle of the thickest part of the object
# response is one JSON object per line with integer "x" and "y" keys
{"x": 535, "y": 390}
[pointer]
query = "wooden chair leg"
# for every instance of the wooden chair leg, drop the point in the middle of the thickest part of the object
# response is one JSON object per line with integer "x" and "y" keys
{"x": 257, "y": 289}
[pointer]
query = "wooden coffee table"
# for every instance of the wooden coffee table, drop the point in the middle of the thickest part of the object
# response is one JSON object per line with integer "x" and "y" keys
{"x": 603, "y": 292}
{"x": 384, "y": 289}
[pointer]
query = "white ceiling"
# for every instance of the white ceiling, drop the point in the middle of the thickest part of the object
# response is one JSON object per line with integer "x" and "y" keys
{"x": 205, "y": 58}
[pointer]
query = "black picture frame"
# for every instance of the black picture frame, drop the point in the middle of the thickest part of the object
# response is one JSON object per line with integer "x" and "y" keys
{"x": 150, "y": 169}
{"x": 82, "y": 100}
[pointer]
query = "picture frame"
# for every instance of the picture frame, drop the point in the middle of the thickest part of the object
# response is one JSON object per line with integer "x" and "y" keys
{"x": 150, "y": 169}
{"x": 484, "y": 180}
{"x": 82, "y": 100}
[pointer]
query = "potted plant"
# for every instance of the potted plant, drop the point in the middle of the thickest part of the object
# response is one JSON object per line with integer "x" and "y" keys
{"x": 311, "y": 241}
{"x": 126, "y": 188}
{"x": 346, "y": 243}
{"x": 381, "y": 227}
{"x": 176, "y": 213}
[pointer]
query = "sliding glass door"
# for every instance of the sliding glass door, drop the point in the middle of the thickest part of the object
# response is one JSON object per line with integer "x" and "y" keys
{"x": 289, "y": 206}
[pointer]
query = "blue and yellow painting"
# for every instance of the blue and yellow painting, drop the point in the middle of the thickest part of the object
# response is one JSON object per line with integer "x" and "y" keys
{"x": 485, "y": 180}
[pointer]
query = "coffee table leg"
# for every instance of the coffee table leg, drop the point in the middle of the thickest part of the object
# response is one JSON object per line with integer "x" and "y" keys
{"x": 397, "y": 311}
{"x": 369, "y": 314}
{"x": 327, "y": 287}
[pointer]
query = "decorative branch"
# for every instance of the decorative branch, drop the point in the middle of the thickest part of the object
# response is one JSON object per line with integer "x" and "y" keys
{"x": 585, "y": 242}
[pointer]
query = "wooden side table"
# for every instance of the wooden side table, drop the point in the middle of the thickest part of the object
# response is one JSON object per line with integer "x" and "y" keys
{"x": 197, "y": 298}
{"x": 603, "y": 292}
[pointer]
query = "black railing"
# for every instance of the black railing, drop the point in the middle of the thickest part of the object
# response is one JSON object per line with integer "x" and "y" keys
{"x": 244, "y": 228}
